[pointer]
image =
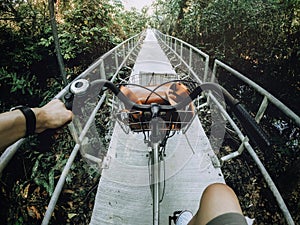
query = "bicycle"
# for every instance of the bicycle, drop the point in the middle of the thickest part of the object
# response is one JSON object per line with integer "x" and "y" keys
{"x": 159, "y": 120}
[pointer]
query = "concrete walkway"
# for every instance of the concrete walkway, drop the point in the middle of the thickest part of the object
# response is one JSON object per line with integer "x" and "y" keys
{"x": 124, "y": 195}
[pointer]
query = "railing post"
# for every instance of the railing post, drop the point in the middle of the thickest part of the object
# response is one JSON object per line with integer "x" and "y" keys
{"x": 102, "y": 70}
{"x": 190, "y": 57}
{"x": 181, "y": 49}
{"x": 124, "y": 52}
{"x": 261, "y": 109}
{"x": 175, "y": 45}
{"x": 213, "y": 76}
{"x": 116, "y": 59}
{"x": 206, "y": 68}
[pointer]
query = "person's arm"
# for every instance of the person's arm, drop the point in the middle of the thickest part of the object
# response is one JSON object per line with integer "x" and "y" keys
{"x": 13, "y": 124}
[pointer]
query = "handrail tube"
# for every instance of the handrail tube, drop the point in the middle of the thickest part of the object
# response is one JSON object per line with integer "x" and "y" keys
{"x": 187, "y": 44}
{"x": 8, "y": 154}
{"x": 104, "y": 56}
{"x": 124, "y": 61}
{"x": 66, "y": 89}
{"x": 59, "y": 185}
{"x": 262, "y": 91}
{"x": 11, "y": 150}
{"x": 203, "y": 54}
{"x": 90, "y": 68}
{"x": 258, "y": 162}
{"x": 185, "y": 63}
{"x": 271, "y": 185}
{"x": 61, "y": 181}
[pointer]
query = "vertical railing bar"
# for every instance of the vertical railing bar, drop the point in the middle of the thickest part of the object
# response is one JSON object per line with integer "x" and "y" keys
{"x": 124, "y": 61}
{"x": 213, "y": 76}
{"x": 185, "y": 63}
{"x": 262, "y": 109}
{"x": 175, "y": 45}
{"x": 206, "y": 69}
{"x": 116, "y": 59}
{"x": 190, "y": 57}
{"x": 124, "y": 52}
{"x": 102, "y": 70}
{"x": 181, "y": 49}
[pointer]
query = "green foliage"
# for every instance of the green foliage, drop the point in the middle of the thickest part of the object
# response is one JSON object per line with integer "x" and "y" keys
{"x": 259, "y": 38}
{"x": 40, "y": 174}
{"x": 86, "y": 31}
{"x": 24, "y": 84}
{"x": 235, "y": 27}
{"x": 29, "y": 75}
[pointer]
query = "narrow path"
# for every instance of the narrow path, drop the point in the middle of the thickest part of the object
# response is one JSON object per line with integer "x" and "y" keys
{"x": 124, "y": 195}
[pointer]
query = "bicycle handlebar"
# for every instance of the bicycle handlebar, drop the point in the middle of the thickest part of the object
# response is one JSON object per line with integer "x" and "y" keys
{"x": 146, "y": 107}
{"x": 252, "y": 129}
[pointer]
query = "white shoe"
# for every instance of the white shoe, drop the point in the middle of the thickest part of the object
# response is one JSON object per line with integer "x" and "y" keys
{"x": 184, "y": 218}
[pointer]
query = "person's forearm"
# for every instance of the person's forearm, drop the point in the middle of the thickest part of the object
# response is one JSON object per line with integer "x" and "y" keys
{"x": 13, "y": 127}
{"x": 13, "y": 124}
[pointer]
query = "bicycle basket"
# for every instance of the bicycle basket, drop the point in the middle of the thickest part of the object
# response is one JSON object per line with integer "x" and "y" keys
{"x": 167, "y": 94}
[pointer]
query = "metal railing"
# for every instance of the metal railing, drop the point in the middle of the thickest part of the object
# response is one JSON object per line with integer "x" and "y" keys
{"x": 267, "y": 97}
{"x": 193, "y": 59}
{"x": 106, "y": 67}
{"x": 177, "y": 46}
{"x": 197, "y": 62}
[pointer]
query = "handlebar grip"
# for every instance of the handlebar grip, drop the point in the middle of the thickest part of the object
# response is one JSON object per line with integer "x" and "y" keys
{"x": 252, "y": 129}
{"x": 46, "y": 135}
{"x": 69, "y": 100}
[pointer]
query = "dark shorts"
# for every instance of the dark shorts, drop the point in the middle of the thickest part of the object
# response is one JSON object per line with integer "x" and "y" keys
{"x": 229, "y": 219}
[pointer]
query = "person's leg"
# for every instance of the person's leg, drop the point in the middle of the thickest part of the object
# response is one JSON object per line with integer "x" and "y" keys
{"x": 217, "y": 199}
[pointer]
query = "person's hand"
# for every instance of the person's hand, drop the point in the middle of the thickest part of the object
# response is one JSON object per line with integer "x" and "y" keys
{"x": 53, "y": 115}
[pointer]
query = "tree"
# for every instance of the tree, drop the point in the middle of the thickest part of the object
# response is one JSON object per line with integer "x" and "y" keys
{"x": 56, "y": 41}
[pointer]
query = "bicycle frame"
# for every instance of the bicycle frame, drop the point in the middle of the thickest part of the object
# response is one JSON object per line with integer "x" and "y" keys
{"x": 155, "y": 185}
{"x": 155, "y": 140}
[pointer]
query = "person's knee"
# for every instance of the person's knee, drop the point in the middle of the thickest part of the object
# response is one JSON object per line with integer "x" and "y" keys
{"x": 222, "y": 197}
{"x": 217, "y": 189}
{"x": 217, "y": 199}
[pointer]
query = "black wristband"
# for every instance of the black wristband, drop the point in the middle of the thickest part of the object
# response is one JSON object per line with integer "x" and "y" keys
{"x": 30, "y": 119}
